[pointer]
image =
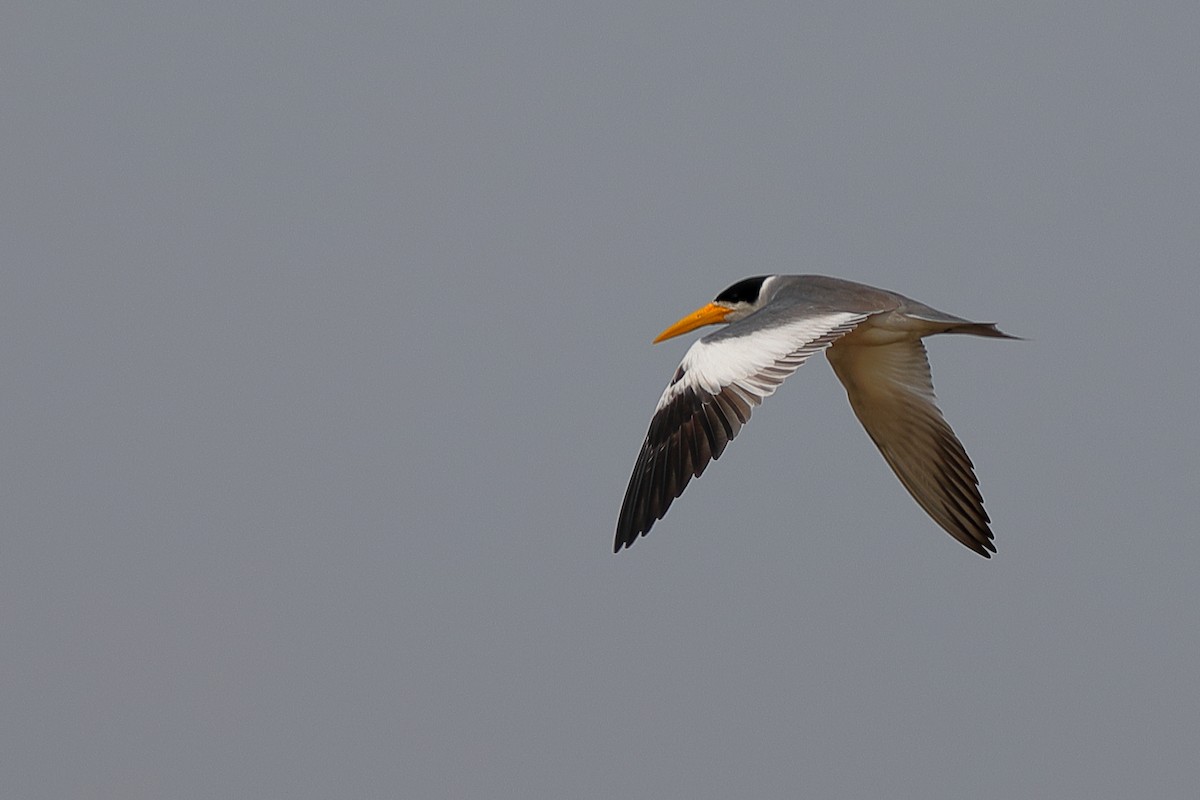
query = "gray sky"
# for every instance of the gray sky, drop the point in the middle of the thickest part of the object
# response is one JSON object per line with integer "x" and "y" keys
{"x": 325, "y": 341}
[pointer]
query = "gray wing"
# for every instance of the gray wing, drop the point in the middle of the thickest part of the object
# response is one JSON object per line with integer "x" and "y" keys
{"x": 722, "y": 377}
{"x": 891, "y": 392}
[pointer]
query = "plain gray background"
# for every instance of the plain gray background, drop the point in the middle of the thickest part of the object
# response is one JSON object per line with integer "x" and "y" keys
{"x": 325, "y": 347}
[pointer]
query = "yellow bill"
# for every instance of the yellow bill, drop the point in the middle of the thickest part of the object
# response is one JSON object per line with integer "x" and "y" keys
{"x": 710, "y": 314}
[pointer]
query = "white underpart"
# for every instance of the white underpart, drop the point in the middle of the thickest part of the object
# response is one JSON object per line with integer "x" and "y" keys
{"x": 757, "y": 363}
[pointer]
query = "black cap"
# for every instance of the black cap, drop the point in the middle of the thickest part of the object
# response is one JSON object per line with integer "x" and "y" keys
{"x": 744, "y": 291}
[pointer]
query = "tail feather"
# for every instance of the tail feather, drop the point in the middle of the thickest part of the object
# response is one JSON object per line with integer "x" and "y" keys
{"x": 982, "y": 329}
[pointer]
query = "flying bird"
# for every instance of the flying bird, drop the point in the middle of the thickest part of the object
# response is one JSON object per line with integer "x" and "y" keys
{"x": 774, "y": 323}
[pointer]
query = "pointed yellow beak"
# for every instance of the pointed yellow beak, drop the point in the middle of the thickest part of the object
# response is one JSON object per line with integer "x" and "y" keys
{"x": 711, "y": 314}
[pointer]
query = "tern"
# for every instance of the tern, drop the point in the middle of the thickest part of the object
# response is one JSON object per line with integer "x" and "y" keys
{"x": 774, "y": 323}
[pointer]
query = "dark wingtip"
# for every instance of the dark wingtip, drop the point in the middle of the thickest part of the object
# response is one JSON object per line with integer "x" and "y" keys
{"x": 624, "y": 542}
{"x": 985, "y": 548}
{"x": 627, "y": 534}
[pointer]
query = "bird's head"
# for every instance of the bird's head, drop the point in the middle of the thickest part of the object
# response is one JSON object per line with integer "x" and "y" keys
{"x": 737, "y": 302}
